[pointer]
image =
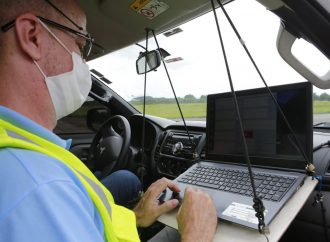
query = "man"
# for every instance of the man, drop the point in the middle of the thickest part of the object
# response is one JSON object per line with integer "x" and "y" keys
{"x": 47, "y": 194}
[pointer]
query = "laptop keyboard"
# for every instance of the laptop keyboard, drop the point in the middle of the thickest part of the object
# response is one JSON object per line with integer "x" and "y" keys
{"x": 268, "y": 186}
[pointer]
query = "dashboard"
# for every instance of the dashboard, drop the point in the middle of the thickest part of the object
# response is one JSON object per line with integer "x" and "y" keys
{"x": 171, "y": 151}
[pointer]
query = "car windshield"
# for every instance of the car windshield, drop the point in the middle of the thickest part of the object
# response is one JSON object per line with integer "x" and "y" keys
{"x": 196, "y": 65}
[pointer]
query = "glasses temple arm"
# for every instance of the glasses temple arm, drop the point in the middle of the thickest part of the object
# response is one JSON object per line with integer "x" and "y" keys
{"x": 7, "y": 26}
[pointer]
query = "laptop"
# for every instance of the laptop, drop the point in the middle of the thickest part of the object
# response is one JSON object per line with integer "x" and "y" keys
{"x": 277, "y": 164}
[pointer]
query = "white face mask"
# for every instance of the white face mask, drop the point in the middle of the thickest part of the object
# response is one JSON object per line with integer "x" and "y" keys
{"x": 68, "y": 90}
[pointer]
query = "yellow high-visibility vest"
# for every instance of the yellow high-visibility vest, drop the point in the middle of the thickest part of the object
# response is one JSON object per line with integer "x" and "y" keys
{"x": 119, "y": 222}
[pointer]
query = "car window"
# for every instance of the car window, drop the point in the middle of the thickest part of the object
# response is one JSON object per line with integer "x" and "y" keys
{"x": 75, "y": 123}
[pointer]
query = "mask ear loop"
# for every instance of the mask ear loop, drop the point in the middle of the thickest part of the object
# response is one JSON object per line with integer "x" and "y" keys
{"x": 40, "y": 69}
{"x": 55, "y": 37}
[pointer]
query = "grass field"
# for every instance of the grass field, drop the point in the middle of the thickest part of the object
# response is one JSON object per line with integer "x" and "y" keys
{"x": 170, "y": 110}
{"x": 321, "y": 106}
{"x": 197, "y": 110}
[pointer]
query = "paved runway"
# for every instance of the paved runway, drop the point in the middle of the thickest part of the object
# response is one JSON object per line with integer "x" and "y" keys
{"x": 320, "y": 118}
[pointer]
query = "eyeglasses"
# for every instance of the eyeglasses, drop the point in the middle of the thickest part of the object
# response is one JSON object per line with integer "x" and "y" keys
{"x": 85, "y": 50}
{"x": 89, "y": 41}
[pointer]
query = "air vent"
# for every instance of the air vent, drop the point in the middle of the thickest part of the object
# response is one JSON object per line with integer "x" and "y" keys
{"x": 100, "y": 76}
{"x": 203, "y": 153}
{"x": 160, "y": 141}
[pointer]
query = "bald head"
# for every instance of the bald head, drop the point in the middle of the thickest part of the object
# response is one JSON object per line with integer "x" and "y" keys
{"x": 11, "y": 9}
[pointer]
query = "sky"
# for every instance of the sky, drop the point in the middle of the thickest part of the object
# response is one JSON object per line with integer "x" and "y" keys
{"x": 202, "y": 70}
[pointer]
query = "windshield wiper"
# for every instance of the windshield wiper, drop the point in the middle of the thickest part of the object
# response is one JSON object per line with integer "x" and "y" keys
{"x": 322, "y": 125}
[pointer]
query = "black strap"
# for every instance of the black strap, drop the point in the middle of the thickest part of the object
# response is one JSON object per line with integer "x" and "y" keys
{"x": 258, "y": 205}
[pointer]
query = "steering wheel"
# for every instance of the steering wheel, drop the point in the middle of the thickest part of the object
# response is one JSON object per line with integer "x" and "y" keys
{"x": 110, "y": 145}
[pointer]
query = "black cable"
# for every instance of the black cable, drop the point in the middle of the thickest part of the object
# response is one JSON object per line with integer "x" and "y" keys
{"x": 141, "y": 170}
{"x": 266, "y": 85}
{"x": 258, "y": 205}
{"x": 266, "y": 237}
{"x": 176, "y": 99}
{"x": 141, "y": 46}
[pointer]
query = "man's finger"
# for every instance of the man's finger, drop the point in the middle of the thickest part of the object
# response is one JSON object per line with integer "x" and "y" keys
{"x": 159, "y": 186}
{"x": 173, "y": 187}
{"x": 167, "y": 206}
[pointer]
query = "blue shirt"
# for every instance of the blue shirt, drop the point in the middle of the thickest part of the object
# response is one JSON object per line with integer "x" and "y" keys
{"x": 40, "y": 198}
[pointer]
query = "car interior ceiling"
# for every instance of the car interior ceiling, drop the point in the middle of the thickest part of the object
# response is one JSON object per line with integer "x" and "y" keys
{"x": 117, "y": 19}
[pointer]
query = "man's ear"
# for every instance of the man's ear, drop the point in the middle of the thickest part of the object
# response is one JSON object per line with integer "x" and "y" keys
{"x": 28, "y": 32}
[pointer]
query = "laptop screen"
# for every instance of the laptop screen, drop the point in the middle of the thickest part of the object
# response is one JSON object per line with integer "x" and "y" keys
{"x": 269, "y": 140}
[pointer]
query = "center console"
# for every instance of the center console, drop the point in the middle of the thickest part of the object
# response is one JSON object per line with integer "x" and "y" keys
{"x": 178, "y": 151}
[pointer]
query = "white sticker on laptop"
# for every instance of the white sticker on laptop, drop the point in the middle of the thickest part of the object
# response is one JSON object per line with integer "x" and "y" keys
{"x": 242, "y": 212}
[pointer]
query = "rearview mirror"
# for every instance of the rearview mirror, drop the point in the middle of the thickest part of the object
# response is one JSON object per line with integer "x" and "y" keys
{"x": 153, "y": 61}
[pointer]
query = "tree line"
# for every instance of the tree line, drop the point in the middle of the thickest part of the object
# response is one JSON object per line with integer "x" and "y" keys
{"x": 322, "y": 97}
{"x": 154, "y": 100}
{"x": 202, "y": 99}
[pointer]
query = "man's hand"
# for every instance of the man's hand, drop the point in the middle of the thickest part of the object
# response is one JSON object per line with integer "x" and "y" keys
{"x": 197, "y": 217}
{"x": 149, "y": 209}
